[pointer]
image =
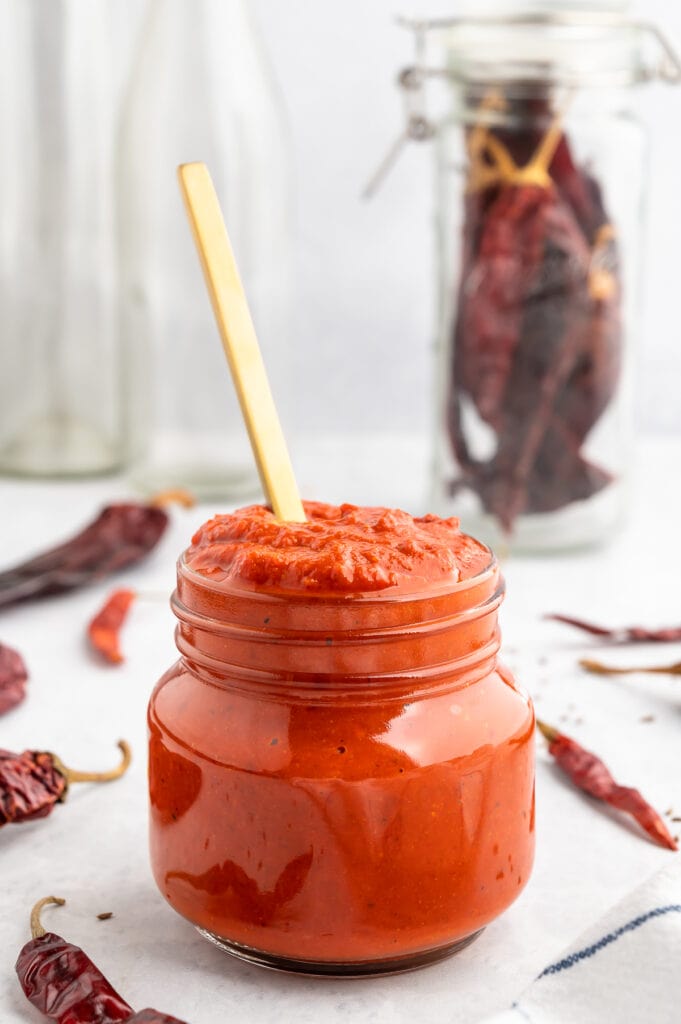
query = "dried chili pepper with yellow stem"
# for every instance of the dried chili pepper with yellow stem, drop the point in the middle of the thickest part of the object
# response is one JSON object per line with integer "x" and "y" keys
{"x": 31, "y": 783}
{"x": 13, "y": 676}
{"x": 590, "y": 774}
{"x": 63, "y": 983}
{"x": 103, "y": 630}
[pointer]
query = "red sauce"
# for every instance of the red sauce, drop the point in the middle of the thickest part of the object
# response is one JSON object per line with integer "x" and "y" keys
{"x": 340, "y": 776}
{"x": 340, "y": 549}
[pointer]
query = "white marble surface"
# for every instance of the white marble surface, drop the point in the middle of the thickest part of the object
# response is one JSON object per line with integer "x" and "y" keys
{"x": 93, "y": 852}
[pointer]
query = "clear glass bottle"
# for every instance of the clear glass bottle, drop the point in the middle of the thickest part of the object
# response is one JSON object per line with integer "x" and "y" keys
{"x": 201, "y": 89}
{"x": 340, "y": 784}
{"x": 63, "y": 406}
{"x": 540, "y": 189}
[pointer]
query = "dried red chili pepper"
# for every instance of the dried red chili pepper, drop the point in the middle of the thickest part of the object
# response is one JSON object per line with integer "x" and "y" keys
{"x": 120, "y": 536}
{"x": 625, "y": 635}
{"x": 31, "y": 783}
{"x": 589, "y": 773}
{"x": 599, "y": 669}
{"x": 63, "y": 983}
{"x": 13, "y": 676}
{"x": 104, "y": 628}
{"x": 537, "y": 336}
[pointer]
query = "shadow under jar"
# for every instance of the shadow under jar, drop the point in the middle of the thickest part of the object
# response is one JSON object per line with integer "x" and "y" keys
{"x": 340, "y": 785}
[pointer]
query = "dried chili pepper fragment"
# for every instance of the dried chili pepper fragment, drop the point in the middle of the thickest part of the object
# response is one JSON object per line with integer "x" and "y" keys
{"x": 590, "y": 774}
{"x": 120, "y": 536}
{"x": 63, "y": 983}
{"x": 103, "y": 629}
{"x": 626, "y": 635}
{"x": 599, "y": 669}
{"x": 13, "y": 676}
{"x": 31, "y": 783}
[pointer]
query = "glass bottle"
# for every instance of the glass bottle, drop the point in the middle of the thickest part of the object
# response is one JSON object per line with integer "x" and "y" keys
{"x": 340, "y": 784}
{"x": 201, "y": 89}
{"x": 63, "y": 406}
{"x": 541, "y": 179}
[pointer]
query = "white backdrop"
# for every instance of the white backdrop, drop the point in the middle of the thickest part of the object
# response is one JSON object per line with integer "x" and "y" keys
{"x": 364, "y": 282}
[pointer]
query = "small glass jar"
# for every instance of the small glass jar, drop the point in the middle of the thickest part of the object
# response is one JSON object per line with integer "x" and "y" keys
{"x": 540, "y": 188}
{"x": 340, "y": 785}
{"x": 201, "y": 88}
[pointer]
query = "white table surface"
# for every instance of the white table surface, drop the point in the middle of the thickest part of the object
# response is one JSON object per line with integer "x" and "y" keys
{"x": 92, "y": 850}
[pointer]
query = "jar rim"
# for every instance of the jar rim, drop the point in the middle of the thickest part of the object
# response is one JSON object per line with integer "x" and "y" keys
{"x": 568, "y": 48}
{"x": 236, "y": 588}
{"x": 314, "y": 643}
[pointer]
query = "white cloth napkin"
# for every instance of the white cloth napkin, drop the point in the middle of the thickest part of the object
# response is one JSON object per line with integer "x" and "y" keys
{"x": 624, "y": 970}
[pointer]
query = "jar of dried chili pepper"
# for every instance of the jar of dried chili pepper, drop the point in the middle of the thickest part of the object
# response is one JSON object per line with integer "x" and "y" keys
{"x": 341, "y": 782}
{"x": 540, "y": 174}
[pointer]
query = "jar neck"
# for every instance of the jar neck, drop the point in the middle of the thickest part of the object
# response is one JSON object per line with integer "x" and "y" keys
{"x": 567, "y": 47}
{"x": 441, "y": 637}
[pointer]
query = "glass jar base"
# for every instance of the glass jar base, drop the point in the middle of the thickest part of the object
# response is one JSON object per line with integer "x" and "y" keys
{"x": 343, "y": 969}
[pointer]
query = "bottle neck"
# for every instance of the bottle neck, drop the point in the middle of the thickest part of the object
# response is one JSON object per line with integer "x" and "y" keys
{"x": 441, "y": 637}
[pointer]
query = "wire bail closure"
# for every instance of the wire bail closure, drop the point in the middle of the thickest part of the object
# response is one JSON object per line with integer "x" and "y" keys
{"x": 412, "y": 79}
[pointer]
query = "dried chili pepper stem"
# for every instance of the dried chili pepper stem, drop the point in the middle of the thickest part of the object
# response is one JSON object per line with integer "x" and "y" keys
{"x": 115, "y": 773}
{"x": 37, "y": 930}
{"x": 173, "y": 496}
{"x": 599, "y": 669}
{"x": 548, "y": 732}
{"x": 13, "y": 676}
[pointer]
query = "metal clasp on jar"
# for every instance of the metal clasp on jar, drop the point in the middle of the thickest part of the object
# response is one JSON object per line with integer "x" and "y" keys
{"x": 420, "y": 126}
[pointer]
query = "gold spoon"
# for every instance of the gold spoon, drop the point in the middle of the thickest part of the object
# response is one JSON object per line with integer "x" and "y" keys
{"x": 240, "y": 342}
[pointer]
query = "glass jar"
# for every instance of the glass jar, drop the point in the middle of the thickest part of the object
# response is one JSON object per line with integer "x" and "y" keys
{"x": 64, "y": 405}
{"x": 540, "y": 186}
{"x": 201, "y": 88}
{"x": 340, "y": 785}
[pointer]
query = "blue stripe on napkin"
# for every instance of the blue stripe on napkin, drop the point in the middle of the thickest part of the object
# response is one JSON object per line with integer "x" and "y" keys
{"x": 584, "y": 954}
